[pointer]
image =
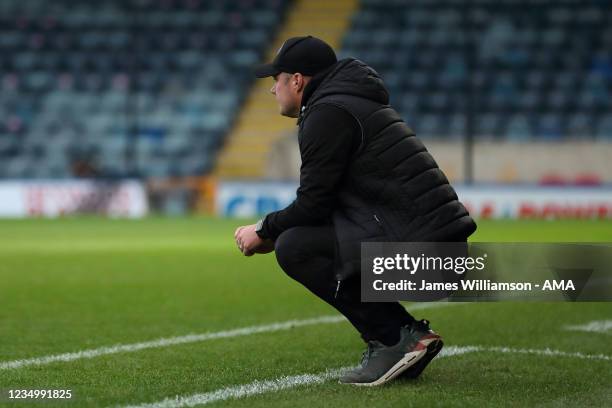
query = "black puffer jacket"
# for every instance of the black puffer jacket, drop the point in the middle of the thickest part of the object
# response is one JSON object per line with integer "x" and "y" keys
{"x": 389, "y": 189}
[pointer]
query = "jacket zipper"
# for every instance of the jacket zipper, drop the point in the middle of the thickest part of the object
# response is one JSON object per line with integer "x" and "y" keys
{"x": 338, "y": 282}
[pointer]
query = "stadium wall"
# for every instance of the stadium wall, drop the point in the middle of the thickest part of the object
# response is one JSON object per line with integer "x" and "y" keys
{"x": 494, "y": 162}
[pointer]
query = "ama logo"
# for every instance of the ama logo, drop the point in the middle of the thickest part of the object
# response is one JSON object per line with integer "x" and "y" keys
{"x": 558, "y": 285}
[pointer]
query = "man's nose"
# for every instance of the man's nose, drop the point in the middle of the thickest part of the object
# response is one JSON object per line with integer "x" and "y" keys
{"x": 273, "y": 89}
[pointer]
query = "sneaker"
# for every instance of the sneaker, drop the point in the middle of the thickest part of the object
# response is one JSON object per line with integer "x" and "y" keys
{"x": 433, "y": 349}
{"x": 381, "y": 363}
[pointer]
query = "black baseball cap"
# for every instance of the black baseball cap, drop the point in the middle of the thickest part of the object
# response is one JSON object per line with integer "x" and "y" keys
{"x": 306, "y": 55}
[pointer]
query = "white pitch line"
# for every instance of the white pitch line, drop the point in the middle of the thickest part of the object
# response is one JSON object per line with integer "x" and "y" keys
{"x": 450, "y": 351}
{"x": 549, "y": 352}
{"x": 169, "y": 341}
{"x": 598, "y": 326}
{"x": 283, "y": 383}
{"x": 190, "y": 338}
{"x": 245, "y": 390}
{"x": 261, "y": 387}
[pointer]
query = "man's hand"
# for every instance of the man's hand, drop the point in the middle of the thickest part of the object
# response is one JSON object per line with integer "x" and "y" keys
{"x": 249, "y": 242}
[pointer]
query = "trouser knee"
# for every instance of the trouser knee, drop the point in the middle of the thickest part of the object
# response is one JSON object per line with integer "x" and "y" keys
{"x": 288, "y": 253}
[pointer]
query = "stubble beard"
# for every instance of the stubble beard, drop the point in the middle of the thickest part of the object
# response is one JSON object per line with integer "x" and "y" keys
{"x": 290, "y": 112}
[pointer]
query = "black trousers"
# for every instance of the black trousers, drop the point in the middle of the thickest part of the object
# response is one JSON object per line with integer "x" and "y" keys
{"x": 306, "y": 254}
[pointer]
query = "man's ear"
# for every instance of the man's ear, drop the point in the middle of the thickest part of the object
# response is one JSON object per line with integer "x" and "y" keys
{"x": 298, "y": 81}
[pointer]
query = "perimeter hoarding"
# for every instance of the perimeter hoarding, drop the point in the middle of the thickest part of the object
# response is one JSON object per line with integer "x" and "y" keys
{"x": 19, "y": 199}
{"x": 245, "y": 199}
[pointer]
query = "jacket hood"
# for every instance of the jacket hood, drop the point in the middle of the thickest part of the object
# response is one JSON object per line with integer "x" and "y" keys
{"x": 348, "y": 77}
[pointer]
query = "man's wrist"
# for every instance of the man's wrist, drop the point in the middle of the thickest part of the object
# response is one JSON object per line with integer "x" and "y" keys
{"x": 259, "y": 229}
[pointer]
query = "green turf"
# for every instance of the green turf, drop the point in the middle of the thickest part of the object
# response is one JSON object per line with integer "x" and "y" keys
{"x": 75, "y": 284}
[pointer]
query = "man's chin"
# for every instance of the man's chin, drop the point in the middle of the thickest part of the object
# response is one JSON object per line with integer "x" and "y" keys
{"x": 289, "y": 114}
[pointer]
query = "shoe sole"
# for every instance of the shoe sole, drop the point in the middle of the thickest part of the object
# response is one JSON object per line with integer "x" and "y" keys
{"x": 409, "y": 360}
{"x": 432, "y": 350}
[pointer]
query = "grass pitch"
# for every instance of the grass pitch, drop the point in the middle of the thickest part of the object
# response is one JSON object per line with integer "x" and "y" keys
{"x": 79, "y": 284}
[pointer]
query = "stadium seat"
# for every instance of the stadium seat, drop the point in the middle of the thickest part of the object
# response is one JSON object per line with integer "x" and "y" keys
{"x": 529, "y": 78}
{"x": 97, "y": 77}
